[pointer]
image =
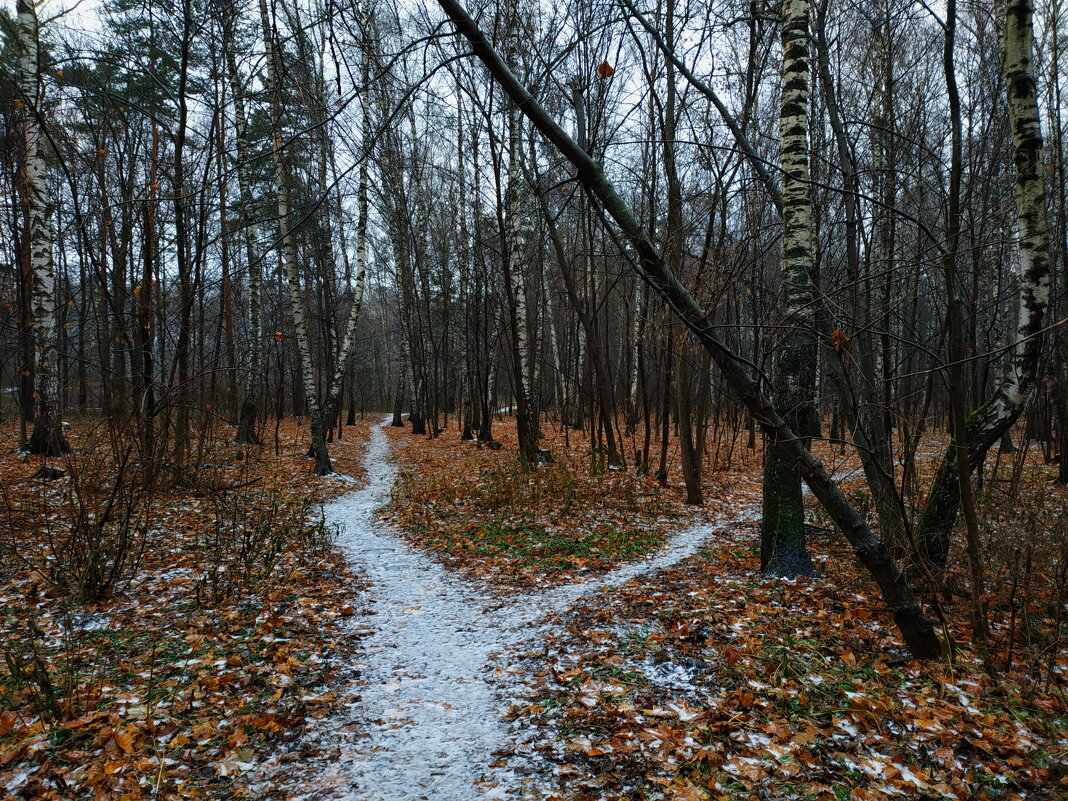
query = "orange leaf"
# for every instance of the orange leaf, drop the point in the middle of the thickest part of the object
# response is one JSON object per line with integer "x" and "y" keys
{"x": 125, "y": 741}
{"x": 838, "y": 339}
{"x": 8, "y": 719}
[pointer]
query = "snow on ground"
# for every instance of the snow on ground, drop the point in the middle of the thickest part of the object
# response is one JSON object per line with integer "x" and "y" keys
{"x": 437, "y": 668}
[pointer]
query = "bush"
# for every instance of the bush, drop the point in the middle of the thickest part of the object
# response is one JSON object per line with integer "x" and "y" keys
{"x": 92, "y": 525}
{"x": 248, "y": 531}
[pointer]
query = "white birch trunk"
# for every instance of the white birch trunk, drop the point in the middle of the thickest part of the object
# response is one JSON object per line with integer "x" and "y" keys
{"x": 986, "y": 425}
{"x": 554, "y": 345}
{"x": 289, "y": 253}
{"x": 344, "y": 354}
{"x": 782, "y": 533}
{"x": 467, "y": 412}
{"x": 1032, "y": 225}
{"x": 47, "y": 437}
{"x": 527, "y": 418}
{"x": 635, "y": 349}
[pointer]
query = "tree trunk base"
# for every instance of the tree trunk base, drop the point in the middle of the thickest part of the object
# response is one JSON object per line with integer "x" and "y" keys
{"x": 918, "y": 633}
{"x": 782, "y": 532}
{"x": 47, "y": 442}
{"x": 790, "y": 563}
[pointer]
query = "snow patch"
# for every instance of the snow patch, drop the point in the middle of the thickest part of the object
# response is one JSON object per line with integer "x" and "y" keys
{"x": 434, "y": 683}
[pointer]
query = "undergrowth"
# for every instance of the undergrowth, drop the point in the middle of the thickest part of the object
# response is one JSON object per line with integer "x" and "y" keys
{"x": 482, "y": 511}
{"x": 154, "y": 632}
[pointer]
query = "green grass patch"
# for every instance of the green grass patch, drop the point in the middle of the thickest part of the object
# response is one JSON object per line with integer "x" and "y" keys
{"x": 541, "y": 549}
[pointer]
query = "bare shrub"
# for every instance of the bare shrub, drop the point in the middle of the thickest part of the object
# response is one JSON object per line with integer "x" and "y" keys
{"x": 85, "y": 534}
{"x": 249, "y": 531}
{"x": 1025, "y": 528}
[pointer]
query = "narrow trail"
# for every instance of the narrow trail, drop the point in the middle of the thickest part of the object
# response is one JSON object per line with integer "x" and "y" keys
{"x": 428, "y": 722}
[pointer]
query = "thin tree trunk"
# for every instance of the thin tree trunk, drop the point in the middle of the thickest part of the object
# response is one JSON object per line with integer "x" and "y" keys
{"x": 252, "y": 378}
{"x": 183, "y": 391}
{"x": 526, "y": 413}
{"x": 289, "y": 254}
{"x": 866, "y": 420}
{"x": 676, "y": 238}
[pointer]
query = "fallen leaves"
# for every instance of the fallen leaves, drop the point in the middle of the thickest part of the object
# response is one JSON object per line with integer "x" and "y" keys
{"x": 161, "y": 694}
{"x": 518, "y": 529}
{"x": 712, "y": 682}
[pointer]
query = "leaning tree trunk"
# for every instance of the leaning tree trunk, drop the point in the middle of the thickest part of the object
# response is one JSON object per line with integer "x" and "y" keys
{"x": 782, "y": 533}
{"x": 47, "y": 437}
{"x": 344, "y": 355}
{"x": 915, "y": 628}
{"x": 864, "y": 412}
{"x": 985, "y": 426}
{"x": 289, "y": 254}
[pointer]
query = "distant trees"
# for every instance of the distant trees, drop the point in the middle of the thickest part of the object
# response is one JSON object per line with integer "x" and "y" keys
{"x": 226, "y": 212}
{"x": 990, "y": 421}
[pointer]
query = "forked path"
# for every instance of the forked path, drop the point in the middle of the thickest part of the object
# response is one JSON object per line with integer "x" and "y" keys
{"x": 429, "y": 719}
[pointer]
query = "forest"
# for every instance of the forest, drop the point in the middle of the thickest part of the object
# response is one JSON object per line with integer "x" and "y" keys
{"x": 600, "y": 399}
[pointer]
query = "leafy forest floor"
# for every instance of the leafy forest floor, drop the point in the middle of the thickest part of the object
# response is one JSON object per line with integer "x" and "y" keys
{"x": 218, "y": 642}
{"x": 197, "y": 659}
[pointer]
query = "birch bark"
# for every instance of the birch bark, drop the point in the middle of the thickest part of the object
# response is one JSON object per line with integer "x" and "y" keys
{"x": 865, "y": 421}
{"x": 344, "y": 354}
{"x": 526, "y": 414}
{"x": 289, "y": 253}
{"x": 782, "y": 542}
{"x": 47, "y": 436}
{"x": 985, "y": 425}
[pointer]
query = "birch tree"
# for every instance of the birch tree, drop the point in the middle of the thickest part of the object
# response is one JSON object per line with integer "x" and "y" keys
{"x": 321, "y": 411}
{"x": 916, "y": 629}
{"x": 286, "y": 242}
{"x": 518, "y": 223}
{"x": 343, "y": 357}
{"x": 782, "y": 542}
{"x": 986, "y": 425}
{"x": 47, "y": 436}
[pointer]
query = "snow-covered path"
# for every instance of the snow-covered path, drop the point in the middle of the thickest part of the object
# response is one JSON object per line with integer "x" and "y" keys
{"x": 429, "y": 720}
